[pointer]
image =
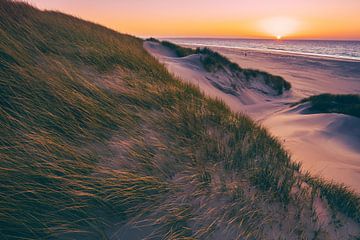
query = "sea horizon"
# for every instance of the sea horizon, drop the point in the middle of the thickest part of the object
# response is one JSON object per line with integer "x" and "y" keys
{"x": 251, "y": 38}
{"x": 335, "y": 49}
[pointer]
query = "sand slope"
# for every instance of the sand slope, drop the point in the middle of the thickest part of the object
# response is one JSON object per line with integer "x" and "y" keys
{"x": 326, "y": 144}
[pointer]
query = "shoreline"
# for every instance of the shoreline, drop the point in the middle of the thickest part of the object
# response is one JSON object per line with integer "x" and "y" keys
{"x": 275, "y": 51}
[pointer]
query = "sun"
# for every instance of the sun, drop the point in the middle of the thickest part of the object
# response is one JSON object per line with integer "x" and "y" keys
{"x": 279, "y": 27}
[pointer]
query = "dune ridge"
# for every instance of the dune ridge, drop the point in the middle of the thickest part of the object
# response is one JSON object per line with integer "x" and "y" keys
{"x": 100, "y": 141}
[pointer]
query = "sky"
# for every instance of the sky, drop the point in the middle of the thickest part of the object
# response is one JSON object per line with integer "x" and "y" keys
{"x": 292, "y": 19}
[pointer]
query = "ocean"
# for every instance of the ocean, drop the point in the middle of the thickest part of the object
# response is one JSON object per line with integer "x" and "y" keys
{"x": 349, "y": 50}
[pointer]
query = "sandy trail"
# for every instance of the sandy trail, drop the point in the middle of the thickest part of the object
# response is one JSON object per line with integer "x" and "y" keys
{"x": 327, "y": 145}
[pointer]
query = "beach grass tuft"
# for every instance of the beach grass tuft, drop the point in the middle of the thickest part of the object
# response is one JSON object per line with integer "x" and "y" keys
{"x": 348, "y": 104}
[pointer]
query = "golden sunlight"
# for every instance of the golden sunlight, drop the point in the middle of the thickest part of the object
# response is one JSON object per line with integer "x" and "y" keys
{"x": 279, "y": 27}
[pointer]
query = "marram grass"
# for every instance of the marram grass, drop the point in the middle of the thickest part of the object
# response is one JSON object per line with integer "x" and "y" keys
{"x": 97, "y": 137}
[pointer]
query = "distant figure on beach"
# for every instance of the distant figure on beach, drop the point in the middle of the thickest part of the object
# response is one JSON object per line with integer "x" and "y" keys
{"x": 245, "y": 54}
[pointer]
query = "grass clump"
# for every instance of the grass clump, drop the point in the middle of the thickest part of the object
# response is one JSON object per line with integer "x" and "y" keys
{"x": 214, "y": 61}
{"x": 180, "y": 51}
{"x": 339, "y": 197}
{"x": 330, "y": 103}
{"x": 151, "y": 39}
{"x": 96, "y": 136}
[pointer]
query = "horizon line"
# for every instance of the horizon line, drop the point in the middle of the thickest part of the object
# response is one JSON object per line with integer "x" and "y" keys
{"x": 247, "y": 38}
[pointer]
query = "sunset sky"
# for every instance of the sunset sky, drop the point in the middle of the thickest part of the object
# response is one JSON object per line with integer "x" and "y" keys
{"x": 304, "y": 19}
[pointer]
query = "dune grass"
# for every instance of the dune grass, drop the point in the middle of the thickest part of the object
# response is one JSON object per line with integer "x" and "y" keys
{"x": 96, "y": 134}
{"x": 329, "y": 103}
{"x": 213, "y": 61}
{"x": 339, "y": 197}
{"x": 180, "y": 51}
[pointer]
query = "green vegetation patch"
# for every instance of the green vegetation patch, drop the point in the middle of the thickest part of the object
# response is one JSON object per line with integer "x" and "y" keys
{"x": 330, "y": 103}
{"x": 180, "y": 51}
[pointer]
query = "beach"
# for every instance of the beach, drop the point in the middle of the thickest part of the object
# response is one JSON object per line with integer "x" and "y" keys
{"x": 180, "y": 120}
{"x": 326, "y": 144}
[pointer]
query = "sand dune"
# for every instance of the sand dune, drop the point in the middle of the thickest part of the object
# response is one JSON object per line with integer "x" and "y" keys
{"x": 308, "y": 75}
{"x": 326, "y": 144}
{"x": 218, "y": 84}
